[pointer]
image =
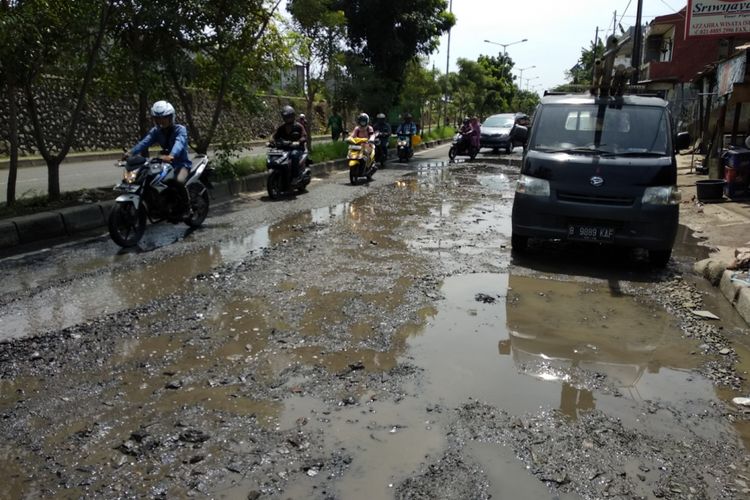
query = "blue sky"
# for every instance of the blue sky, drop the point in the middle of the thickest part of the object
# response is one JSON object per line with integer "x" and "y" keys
{"x": 556, "y": 31}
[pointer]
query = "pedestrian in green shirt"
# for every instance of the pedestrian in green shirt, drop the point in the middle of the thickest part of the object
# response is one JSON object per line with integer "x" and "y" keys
{"x": 336, "y": 124}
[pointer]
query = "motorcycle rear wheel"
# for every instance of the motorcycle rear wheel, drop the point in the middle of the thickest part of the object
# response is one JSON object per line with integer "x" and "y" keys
{"x": 473, "y": 152}
{"x": 352, "y": 177}
{"x": 127, "y": 224}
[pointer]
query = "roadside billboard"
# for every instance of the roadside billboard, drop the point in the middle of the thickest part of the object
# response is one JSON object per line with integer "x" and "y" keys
{"x": 717, "y": 17}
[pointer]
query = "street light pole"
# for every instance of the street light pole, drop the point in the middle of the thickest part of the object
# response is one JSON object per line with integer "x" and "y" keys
{"x": 506, "y": 45}
{"x": 521, "y": 70}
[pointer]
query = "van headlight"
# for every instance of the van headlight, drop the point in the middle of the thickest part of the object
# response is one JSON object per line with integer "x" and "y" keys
{"x": 661, "y": 195}
{"x": 532, "y": 186}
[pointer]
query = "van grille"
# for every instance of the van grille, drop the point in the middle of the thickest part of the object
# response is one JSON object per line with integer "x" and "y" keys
{"x": 597, "y": 200}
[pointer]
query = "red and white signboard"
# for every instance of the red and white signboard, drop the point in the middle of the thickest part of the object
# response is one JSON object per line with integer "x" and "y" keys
{"x": 717, "y": 17}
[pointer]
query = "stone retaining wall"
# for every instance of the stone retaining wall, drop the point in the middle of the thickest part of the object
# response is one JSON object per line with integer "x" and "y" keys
{"x": 111, "y": 123}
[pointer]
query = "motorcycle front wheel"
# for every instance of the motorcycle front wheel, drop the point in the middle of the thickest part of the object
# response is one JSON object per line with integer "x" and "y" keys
{"x": 273, "y": 185}
{"x": 199, "y": 203}
{"x": 127, "y": 224}
{"x": 452, "y": 153}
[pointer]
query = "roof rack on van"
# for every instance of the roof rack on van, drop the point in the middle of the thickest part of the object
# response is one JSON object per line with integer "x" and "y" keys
{"x": 609, "y": 80}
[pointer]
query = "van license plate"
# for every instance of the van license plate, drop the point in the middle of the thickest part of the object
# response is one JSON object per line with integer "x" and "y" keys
{"x": 591, "y": 233}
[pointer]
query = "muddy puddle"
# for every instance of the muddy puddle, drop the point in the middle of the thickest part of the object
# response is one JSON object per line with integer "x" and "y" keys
{"x": 334, "y": 356}
{"x": 114, "y": 290}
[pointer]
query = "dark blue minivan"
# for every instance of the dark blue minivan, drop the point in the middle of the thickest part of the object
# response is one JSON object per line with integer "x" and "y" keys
{"x": 600, "y": 170}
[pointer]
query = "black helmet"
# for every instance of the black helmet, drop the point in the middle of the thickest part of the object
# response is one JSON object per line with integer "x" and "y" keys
{"x": 380, "y": 117}
{"x": 407, "y": 117}
{"x": 466, "y": 120}
{"x": 363, "y": 119}
{"x": 287, "y": 114}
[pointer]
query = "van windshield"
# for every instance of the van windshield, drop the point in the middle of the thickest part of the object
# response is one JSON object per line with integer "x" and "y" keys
{"x": 599, "y": 129}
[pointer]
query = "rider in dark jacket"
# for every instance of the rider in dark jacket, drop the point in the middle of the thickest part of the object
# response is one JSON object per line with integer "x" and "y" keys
{"x": 383, "y": 130}
{"x": 294, "y": 133}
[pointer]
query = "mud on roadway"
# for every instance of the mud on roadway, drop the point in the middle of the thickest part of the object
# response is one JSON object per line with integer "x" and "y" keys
{"x": 381, "y": 343}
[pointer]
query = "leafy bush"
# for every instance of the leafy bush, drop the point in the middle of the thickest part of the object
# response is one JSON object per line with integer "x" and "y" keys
{"x": 234, "y": 169}
{"x": 328, "y": 151}
{"x": 439, "y": 133}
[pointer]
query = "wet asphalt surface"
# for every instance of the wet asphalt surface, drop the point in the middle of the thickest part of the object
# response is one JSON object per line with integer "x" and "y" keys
{"x": 375, "y": 341}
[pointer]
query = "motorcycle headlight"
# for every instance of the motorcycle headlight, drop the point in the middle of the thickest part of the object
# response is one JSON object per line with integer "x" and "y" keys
{"x": 661, "y": 195}
{"x": 130, "y": 177}
{"x": 532, "y": 186}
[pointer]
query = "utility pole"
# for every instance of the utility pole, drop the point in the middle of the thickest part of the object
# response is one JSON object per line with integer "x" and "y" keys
{"x": 637, "y": 39}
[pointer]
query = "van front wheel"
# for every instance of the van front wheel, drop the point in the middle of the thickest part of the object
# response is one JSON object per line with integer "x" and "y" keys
{"x": 659, "y": 258}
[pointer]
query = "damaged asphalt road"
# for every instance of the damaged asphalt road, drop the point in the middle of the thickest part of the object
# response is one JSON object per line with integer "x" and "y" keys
{"x": 367, "y": 342}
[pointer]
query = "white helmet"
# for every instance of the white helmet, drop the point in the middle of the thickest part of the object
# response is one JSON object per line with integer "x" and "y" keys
{"x": 163, "y": 108}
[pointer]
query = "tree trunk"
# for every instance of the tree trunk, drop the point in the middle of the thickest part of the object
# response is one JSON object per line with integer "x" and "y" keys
{"x": 13, "y": 138}
{"x": 144, "y": 123}
{"x": 53, "y": 178}
{"x": 310, "y": 100}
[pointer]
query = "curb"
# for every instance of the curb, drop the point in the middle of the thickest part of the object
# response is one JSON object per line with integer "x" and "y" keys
{"x": 72, "y": 221}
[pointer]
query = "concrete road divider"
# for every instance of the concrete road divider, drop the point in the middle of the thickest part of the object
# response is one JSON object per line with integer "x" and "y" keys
{"x": 8, "y": 234}
{"x": 39, "y": 226}
{"x": 82, "y": 218}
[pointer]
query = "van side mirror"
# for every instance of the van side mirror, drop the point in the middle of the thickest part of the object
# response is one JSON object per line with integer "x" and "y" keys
{"x": 521, "y": 133}
{"x": 682, "y": 141}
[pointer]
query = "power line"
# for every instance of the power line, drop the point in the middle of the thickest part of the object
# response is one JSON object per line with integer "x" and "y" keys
{"x": 625, "y": 11}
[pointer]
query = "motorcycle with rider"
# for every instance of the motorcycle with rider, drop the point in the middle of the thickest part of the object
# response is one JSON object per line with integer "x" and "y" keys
{"x": 168, "y": 187}
{"x": 287, "y": 158}
{"x": 405, "y": 132}
{"x": 465, "y": 142}
{"x": 383, "y": 134}
{"x": 361, "y": 150}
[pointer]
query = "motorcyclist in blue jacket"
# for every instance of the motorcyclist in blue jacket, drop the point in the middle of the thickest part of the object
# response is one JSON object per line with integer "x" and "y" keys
{"x": 407, "y": 128}
{"x": 172, "y": 137}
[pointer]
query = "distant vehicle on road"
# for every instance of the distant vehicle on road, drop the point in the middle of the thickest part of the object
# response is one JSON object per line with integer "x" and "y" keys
{"x": 600, "y": 170}
{"x": 504, "y": 131}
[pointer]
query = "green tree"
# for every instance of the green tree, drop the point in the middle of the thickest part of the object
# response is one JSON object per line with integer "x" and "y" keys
{"x": 525, "y": 101}
{"x": 63, "y": 40}
{"x": 18, "y": 41}
{"x": 421, "y": 87}
{"x": 224, "y": 46}
{"x": 498, "y": 82}
{"x": 385, "y": 36}
{"x": 133, "y": 61}
{"x": 316, "y": 44}
{"x": 583, "y": 71}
